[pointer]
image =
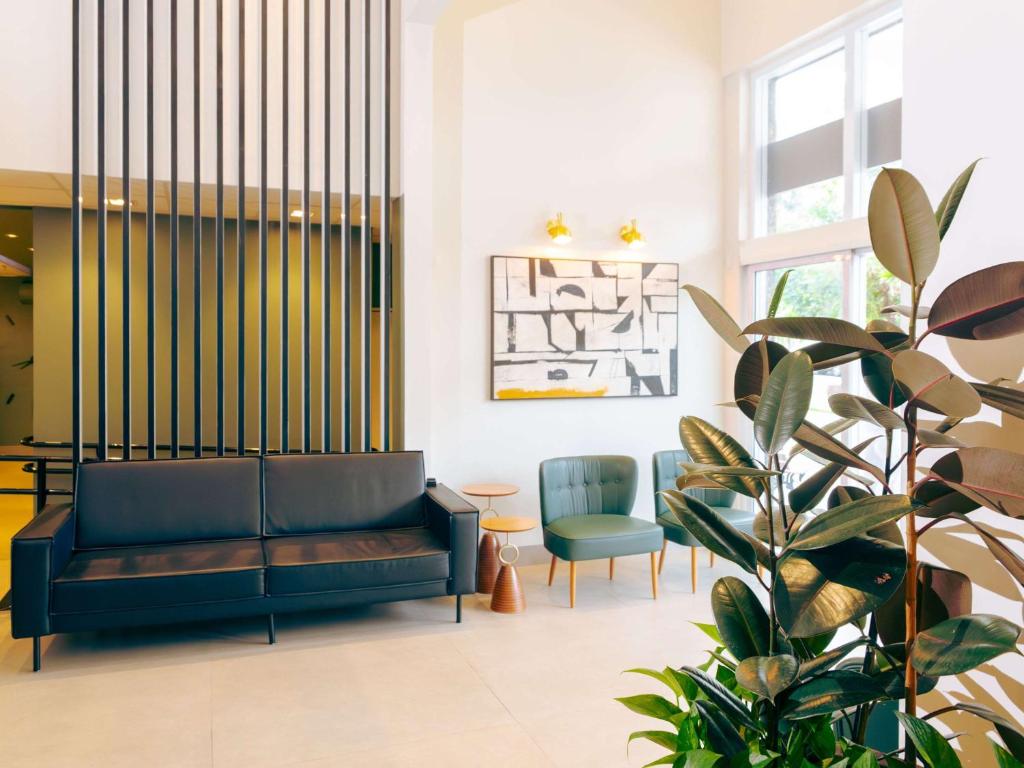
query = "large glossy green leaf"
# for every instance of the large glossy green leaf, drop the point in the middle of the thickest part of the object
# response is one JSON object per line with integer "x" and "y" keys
{"x": 828, "y": 659}
{"x": 904, "y": 235}
{"x": 876, "y": 370}
{"x": 987, "y": 304}
{"x": 722, "y": 735}
{"x": 742, "y": 620}
{"x": 844, "y": 494}
{"x": 821, "y": 443}
{"x": 1004, "y": 759}
{"x": 823, "y": 589}
{"x": 992, "y": 477}
{"x": 906, "y": 310}
{"x": 707, "y": 444}
{"x": 651, "y": 705}
{"x": 1013, "y": 564}
{"x": 932, "y": 746}
{"x": 941, "y": 594}
{"x": 750, "y": 375}
{"x": 848, "y": 520}
{"x": 939, "y": 499}
{"x": 1010, "y": 732}
{"x": 930, "y": 438}
{"x": 830, "y": 692}
{"x": 854, "y": 407}
{"x": 963, "y": 643}
{"x": 661, "y": 738}
{"x": 1005, "y": 399}
{"x": 730, "y": 704}
{"x": 767, "y": 676}
{"x": 711, "y": 529}
{"x": 806, "y": 495}
{"x": 717, "y": 317}
{"x": 828, "y": 330}
{"x": 784, "y": 403}
{"x": 759, "y": 526}
{"x": 825, "y": 356}
{"x": 951, "y": 200}
{"x": 929, "y": 383}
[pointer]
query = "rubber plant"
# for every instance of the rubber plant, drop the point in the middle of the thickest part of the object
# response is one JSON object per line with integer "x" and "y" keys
{"x": 842, "y": 615}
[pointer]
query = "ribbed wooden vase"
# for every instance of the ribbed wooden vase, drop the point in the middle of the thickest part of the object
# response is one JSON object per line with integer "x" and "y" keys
{"x": 508, "y": 594}
{"x": 487, "y": 567}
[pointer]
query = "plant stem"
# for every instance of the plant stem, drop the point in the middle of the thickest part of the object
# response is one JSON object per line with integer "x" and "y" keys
{"x": 910, "y": 587}
{"x": 773, "y": 624}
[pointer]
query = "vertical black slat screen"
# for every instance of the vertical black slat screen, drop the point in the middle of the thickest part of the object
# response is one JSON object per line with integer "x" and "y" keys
{"x": 240, "y": 229}
{"x": 355, "y": 302}
{"x": 283, "y": 228}
{"x": 325, "y": 248}
{"x": 197, "y": 234}
{"x": 76, "y": 236}
{"x": 306, "y": 215}
{"x": 126, "y": 239}
{"x": 365, "y": 225}
{"x": 385, "y": 231}
{"x": 263, "y": 227}
{"x": 346, "y": 240}
{"x": 174, "y": 230}
{"x": 220, "y": 227}
{"x": 150, "y": 245}
{"x": 101, "y": 233}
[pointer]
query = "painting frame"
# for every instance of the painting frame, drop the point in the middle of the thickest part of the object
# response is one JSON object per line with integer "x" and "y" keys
{"x": 612, "y": 351}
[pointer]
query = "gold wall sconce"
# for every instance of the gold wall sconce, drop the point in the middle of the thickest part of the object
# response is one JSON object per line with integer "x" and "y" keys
{"x": 559, "y": 233}
{"x": 632, "y": 236}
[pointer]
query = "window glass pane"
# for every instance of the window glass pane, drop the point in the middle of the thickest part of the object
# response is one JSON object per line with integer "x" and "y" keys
{"x": 882, "y": 289}
{"x": 883, "y": 66}
{"x": 807, "y": 97}
{"x": 804, "y": 207}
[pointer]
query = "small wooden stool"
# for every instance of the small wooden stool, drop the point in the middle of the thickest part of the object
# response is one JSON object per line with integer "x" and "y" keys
{"x": 487, "y": 567}
{"x": 508, "y": 594}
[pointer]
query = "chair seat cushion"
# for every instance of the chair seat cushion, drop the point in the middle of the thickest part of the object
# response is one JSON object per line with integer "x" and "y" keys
{"x": 159, "y": 575}
{"x": 332, "y": 562}
{"x": 741, "y": 519}
{"x": 588, "y": 537}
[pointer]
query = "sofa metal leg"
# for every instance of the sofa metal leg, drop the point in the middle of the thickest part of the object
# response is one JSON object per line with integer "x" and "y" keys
{"x": 271, "y": 630}
{"x": 458, "y": 609}
{"x": 37, "y": 657}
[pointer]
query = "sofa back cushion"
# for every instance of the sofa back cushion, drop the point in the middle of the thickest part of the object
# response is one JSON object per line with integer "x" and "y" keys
{"x": 320, "y": 493}
{"x": 119, "y": 504}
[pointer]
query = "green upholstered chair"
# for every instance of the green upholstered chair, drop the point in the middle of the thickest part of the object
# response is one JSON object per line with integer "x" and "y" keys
{"x": 666, "y": 470}
{"x": 585, "y": 507}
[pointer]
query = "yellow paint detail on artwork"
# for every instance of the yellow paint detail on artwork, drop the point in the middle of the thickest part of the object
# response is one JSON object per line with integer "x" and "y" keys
{"x": 515, "y": 393}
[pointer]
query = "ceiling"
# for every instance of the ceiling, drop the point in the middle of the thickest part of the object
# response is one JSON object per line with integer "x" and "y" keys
{"x": 15, "y": 241}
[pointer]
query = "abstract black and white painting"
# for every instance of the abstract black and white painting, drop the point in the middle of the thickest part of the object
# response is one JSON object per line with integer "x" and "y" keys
{"x": 569, "y": 328}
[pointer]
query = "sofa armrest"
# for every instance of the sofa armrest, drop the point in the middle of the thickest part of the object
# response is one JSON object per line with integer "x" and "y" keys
{"x": 456, "y": 521}
{"x": 39, "y": 552}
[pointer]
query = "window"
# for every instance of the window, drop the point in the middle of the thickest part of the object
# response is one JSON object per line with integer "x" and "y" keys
{"x": 825, "y": 121}
{"x": 850, "y": 285}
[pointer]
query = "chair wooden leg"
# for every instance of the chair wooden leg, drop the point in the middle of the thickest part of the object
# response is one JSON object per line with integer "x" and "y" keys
{"x": 611, "y": 568}
{"x": 551, "y": 571}
{"x": 693, "y": 568}
{"x": 711, "y": 559}
{"x": 661, "y": 560}
{"x": 572, "y": 583}
{"x": 654, "y": 575}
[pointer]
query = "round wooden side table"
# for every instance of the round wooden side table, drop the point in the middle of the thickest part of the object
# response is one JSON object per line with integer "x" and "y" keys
{"x": 487, "y": 567}
{"x": 508, "y": 594}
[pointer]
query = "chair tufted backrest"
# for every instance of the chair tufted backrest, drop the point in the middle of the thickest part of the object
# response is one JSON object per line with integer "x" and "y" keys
{"x": 587, "y": 485}
{"x": 666, "y": 470}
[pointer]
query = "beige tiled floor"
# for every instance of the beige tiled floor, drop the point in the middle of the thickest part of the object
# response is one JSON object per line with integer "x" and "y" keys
{"x": 388, "y": 685}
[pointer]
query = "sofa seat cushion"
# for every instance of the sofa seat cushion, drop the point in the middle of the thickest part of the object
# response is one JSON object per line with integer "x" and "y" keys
{"x": 741, "y": 519}
{"x": 160, "y": 575}
{"x": 332, "y": 562}
{"x": 587, "y": 537}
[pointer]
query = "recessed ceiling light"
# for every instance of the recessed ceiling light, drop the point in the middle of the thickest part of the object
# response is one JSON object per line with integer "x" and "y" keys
{"x": 115, "y": 201}
{"x": 297, "y": 213}
{"x": 31, "y": 249}
{"x": 12, "y": 236}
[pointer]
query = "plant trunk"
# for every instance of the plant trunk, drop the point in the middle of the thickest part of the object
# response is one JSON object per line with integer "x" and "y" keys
{"x": 910, "y": 594}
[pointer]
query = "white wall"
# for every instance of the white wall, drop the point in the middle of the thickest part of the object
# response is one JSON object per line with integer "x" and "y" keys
{"x": 529, "y": 119}
{"x": 35, "y": 69}
{"x": 955, "y": 109}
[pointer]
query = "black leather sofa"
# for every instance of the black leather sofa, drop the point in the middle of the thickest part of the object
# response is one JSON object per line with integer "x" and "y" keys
{"x": 156, "y": 542}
